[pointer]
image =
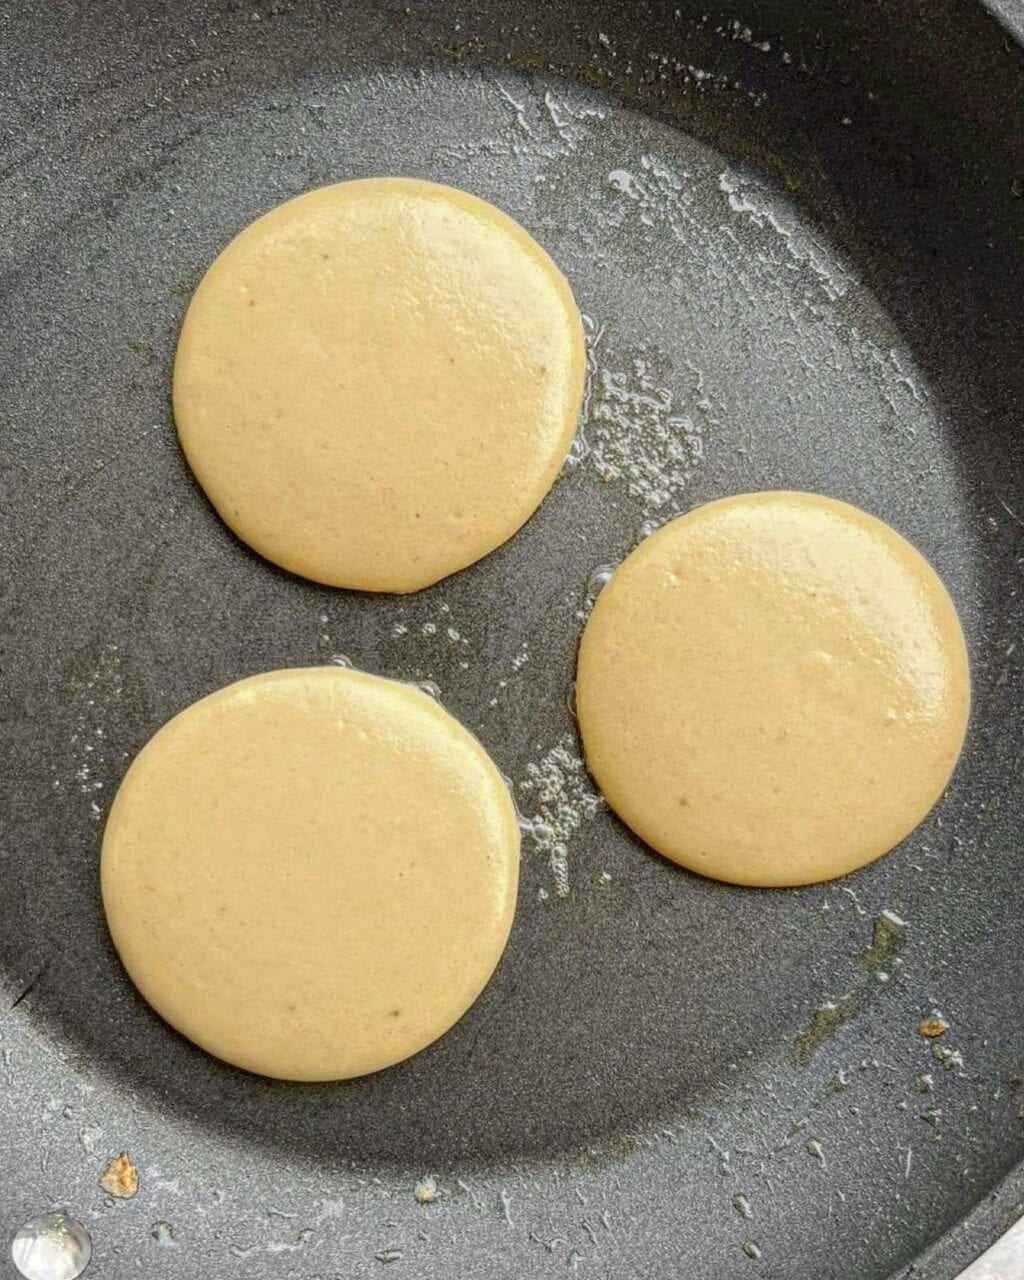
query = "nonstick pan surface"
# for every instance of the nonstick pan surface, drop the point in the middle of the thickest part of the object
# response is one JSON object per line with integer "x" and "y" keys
{"x": 797, "y": 232}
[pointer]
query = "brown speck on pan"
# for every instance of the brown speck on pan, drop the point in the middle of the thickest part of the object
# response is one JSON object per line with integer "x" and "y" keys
{"x": 120, "y": 1178}
{"x": 426, "y": 1191}
{"x": 932, "y": 1026}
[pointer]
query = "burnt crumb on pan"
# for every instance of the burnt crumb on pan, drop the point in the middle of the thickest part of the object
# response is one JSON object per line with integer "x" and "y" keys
{"x": 933, "y": 1026}
{"x": 426, "y": 1191}
{"x": 120, "y": 1178}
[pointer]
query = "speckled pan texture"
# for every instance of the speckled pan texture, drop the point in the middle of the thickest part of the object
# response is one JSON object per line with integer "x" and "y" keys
{"x": 797, "y": 232}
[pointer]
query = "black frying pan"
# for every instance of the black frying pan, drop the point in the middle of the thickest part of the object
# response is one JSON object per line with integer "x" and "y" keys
{"x": 799, "y": 232}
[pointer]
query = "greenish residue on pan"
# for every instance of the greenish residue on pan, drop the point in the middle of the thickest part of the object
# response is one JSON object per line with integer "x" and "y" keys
{"x": 886, "y": 940}
{"x": 887, "y": 937}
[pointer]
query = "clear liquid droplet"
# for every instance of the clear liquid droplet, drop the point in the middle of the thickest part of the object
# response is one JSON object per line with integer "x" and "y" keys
{"x": 558, "y": 861}
{"x": 598, "y": 580}
{"x": 53, "y": 1246}
{"x": 742, "y": 1205}
{"x": 340, "y": 660}
{"x": 538, "y": 831}
{"x": 430, "y": 689}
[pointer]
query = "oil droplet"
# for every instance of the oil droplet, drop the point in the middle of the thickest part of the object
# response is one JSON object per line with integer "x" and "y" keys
{"x": 648, "y": 527}
{"x": 399, "y": 629}
{"x": 752, "y": 1249}
{"x": 578, "y": 450}
{"x": 430, "y": 689}
{"x": 558, "y": 790}
{"x": 89, "y": 1135}
{"x": 558, "y": 860}
{"x": 538, "y": 830}
{"x": 598, "y": 580}
{"x": 53, "y": 1246}
{"x": 742, "y": 1205}
{"x": 340, "y": 660}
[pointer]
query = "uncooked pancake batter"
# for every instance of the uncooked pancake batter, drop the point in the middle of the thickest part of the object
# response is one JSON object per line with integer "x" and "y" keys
{"x": 773, "y": 689}
{"x": 311, "y": 873}
{"x": 377, "y": 382}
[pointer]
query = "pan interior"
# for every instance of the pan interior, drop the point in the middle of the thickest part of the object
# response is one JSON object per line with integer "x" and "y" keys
{"x": 661, "y": 1063}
